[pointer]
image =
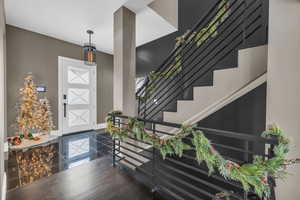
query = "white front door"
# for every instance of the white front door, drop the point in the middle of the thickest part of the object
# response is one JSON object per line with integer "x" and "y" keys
{"x": 77, "y": 96}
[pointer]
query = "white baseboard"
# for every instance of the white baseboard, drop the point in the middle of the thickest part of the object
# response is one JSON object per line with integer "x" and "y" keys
{"x": 4, "y": 186}
{"x": 101, "y": 126}
{"x": 55, "y": 133}
{"x": 5, "y": 147}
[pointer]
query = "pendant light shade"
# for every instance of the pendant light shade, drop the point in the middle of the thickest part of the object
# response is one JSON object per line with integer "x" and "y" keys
{"x": 89, "y": 50}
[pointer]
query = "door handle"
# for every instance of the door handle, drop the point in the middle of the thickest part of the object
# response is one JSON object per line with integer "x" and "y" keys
{"x": 65, "y": 105}
{"x": 65, "y": 110}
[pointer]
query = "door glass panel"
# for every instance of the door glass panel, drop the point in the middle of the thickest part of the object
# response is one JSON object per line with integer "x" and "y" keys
{"x": 78, "y": 96}
{"x": 78, "y": 75}
{"x": 79, "y": 117}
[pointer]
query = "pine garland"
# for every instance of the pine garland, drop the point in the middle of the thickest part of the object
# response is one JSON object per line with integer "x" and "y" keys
{"x": 197, "y": 37}
{"x": 251, "y": 175}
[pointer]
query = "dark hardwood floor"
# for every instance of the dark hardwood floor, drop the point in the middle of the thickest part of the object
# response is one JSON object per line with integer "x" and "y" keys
{"x": 96, "y": 180}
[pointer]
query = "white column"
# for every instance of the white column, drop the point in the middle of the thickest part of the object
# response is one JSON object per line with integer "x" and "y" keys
{"x": 283, "y": 94}
{"x": 2, "y": 93}
{"x": 124, "y": 61}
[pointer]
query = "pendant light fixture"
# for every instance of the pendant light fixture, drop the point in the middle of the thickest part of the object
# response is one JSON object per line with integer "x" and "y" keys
{"x": 89, "y": 50}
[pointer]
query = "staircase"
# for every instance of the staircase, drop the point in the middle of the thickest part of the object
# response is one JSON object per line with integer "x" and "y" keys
{"x": 204, "y": 83}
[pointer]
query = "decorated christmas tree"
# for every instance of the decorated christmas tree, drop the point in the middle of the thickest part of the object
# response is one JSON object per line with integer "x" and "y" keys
{"x": 34, "y": 115}
{"x": 28, "y": 105}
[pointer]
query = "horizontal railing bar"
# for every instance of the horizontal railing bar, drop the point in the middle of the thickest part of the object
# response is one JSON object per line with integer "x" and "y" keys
{"x": 223, "y": 133}
{"x": 130, "y": 156}
{"x": 253, "y": 11}
{"x": 124, "y": 159}
{"x": 175, "y": 186}
{"x": 243, "y": 136}
{"x": 169, "y": 192}
{"x": 203, "y": 172}
{"x": 134, "y": 165}
{"x": 230, "y": 147}
{"x": 136, "y": 146}
{"x": 237, "y": 149}
{"x": 206, "y": 183}
{"x": 198, "y": 189}
{"x": 136, "y": 152}
{"x": 224, "y": 146}
{"x": 257, "y": 28}
{"x": 226, "y": 157}
{"x": 161, "y": 132}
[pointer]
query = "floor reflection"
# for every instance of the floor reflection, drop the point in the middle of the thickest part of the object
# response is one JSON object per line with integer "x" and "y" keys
{"x": 26, "y": 166}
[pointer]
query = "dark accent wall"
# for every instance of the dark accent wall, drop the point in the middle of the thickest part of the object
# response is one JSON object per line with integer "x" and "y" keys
{"x": 32, "y": 52}
{"x": 245, "y": 115}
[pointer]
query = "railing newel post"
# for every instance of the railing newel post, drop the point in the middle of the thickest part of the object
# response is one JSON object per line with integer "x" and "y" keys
{"x": 153, "y": 163}
{"x": 145, "y": 98}
{"x": 139, "y": 105}
{"x": 114, "y": 145}
{"x": 271, "y": 181}
{"x": 244, "y": 22}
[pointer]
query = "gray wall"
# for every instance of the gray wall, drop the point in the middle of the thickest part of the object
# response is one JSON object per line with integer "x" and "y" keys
{"x": 36, "y": 53}
{"x": 2, "y": 90}
{"x": 283, "y": 104}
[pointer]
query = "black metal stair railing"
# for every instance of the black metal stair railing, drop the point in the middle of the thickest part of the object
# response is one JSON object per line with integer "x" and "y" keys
{"x": 183, "y": 178}
{"x": 241, "y": 20}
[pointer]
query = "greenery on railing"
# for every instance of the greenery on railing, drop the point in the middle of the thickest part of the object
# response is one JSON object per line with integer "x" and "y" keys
{"x": 255, "y": 174}
{"x": 197, "y": 37}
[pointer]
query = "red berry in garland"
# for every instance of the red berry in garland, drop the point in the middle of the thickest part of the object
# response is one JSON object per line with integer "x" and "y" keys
{"x": 229, "y": 165}
{"x": 212, "y": 150}
{"x": 265, "y": 180}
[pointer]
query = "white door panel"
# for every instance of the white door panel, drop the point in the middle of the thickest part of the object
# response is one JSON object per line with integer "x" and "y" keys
{"x": 78, "y": 95}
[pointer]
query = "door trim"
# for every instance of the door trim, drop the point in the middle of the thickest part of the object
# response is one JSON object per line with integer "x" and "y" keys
{"x": 60, "y": 92}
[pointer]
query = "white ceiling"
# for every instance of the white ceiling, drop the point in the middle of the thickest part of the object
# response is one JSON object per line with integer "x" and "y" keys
{"x": 68, "y": 20}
